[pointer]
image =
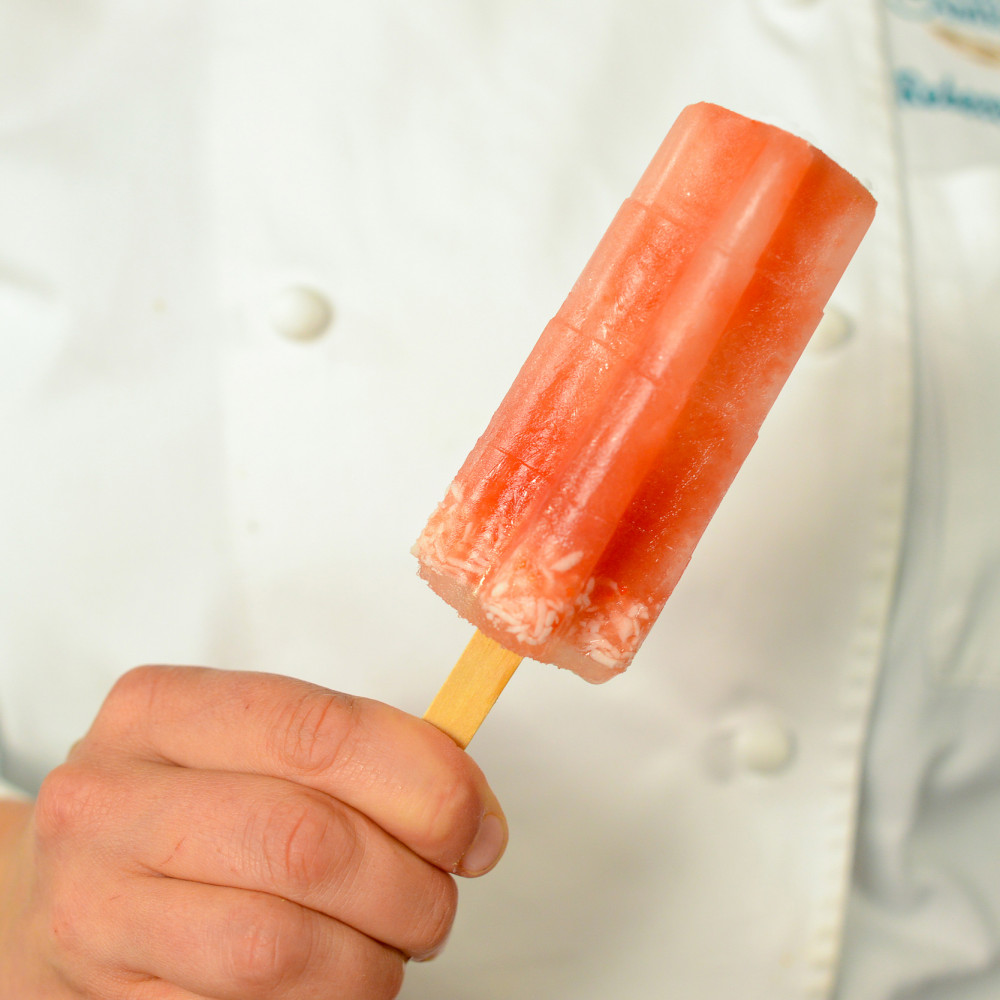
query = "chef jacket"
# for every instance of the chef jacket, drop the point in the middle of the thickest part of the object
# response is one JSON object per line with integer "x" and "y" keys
{"x": 267, "y": 267}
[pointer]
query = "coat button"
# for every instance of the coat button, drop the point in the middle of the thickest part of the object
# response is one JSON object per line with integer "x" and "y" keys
{"x": 763, "y": 745}
{"x": 300, "y": 313}
{"x": 833, "y": 330}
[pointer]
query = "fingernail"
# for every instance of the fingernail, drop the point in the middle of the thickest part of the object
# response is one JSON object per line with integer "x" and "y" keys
{"x": 485, "y": 850}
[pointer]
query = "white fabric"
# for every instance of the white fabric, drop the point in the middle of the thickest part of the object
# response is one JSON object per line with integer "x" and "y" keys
{"x": 925, "y": 917}
{"x": 9, "y": 791}
{"x": 184, "y": 483}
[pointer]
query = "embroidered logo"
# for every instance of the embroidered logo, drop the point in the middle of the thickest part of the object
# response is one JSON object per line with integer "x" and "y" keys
{"x": 977, "y": 13}
{"x": 912, "y": 87}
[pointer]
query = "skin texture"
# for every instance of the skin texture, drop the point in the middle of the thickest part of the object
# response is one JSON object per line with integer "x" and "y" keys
{"x": 236, "y": 835}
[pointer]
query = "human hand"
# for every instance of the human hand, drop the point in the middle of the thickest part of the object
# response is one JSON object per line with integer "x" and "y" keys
{"x": 236, "y": 835}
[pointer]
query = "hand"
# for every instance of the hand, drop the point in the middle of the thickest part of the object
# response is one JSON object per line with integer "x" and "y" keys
{"x": 234, "y": 835}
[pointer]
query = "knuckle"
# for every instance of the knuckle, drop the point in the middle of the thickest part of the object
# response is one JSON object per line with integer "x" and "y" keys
{"x": 72, "y": 798}
{"x": 133, "y": 693}
{"x": 310, "y": 734}
{"x": 133, "y": 684}
{"x": 306, "y": 843}
{"x": 269, "y": 947}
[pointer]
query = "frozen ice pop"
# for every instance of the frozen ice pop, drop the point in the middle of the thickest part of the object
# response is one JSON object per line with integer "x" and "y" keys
{"x": 572, "y": 519}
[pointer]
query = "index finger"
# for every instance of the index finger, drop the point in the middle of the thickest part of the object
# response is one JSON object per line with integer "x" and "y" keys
{"x": 401, "y": 772}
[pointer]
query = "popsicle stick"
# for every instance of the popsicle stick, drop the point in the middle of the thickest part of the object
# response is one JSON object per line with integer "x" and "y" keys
{"x": 472, "y": 688}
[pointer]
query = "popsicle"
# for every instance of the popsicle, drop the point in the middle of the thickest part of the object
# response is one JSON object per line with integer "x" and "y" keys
{"x": 577, "y": 511}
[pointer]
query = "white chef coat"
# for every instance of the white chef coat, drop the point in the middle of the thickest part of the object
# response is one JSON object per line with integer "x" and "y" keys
{"x": 265, "y": 270}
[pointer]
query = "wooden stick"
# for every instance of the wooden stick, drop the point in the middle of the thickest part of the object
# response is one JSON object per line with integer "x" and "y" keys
{"x": 472, "y": 688}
